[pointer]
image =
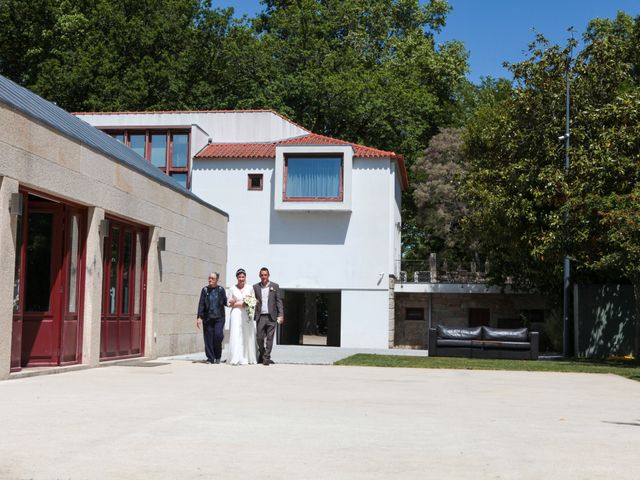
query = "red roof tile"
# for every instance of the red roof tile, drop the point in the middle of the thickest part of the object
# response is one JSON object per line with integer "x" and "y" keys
{"x": 238, "y": 150}
{"x": 268, "y": 150}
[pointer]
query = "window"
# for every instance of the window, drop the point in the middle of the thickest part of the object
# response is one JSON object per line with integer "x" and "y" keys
{"x": 159, "y": 149}
{"x": 255, "y": 181}
{"x": 137, "y": 143}
{"x": 414, "y": 313}
{"x": 179, "y": 150}
{"x": 317, "y": 178}
{"x": 166, "y": 149}
{"x": 479, "y": 317}
{"x": 532, "y": 316}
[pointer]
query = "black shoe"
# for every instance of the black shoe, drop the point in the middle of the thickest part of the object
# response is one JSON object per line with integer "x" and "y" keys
{"x": 266, "y": 363}
{"x": 208, "y": 362}
{"x": 271, "y": 362}
{"x": 217, "y": 360}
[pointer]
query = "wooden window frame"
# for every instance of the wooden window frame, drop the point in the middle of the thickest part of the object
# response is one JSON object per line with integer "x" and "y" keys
{"x": 169, "y": 169}
{"x": 287, "y": 156}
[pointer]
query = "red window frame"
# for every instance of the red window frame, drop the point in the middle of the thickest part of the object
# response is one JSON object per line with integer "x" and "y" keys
{"x": 286, "y": 198}
{"x": 169, "y": 169}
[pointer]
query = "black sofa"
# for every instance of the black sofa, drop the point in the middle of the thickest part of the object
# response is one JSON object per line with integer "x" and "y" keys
{"x": 483, "y": 342}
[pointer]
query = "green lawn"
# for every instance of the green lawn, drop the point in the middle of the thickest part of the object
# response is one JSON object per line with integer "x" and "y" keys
{"x": 628, "y": 370}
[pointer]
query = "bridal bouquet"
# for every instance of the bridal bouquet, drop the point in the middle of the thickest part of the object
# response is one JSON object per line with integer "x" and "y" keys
{"x": 250, "y": 304}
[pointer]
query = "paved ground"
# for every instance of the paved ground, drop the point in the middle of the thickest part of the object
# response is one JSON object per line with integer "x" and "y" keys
{"x": 184, "y": 420}
{"x": 312, "y": 355}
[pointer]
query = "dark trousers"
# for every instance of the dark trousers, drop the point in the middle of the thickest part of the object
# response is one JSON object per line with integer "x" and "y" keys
{"x": 266, "y": 328}
{"x": 213, "y": 331}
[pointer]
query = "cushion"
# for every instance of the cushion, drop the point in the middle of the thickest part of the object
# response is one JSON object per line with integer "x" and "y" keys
{"x": 453, "y": 343}
{"x": 504, "y": 345}
{"x": 451, "y": 333}
{"x": 505, "y": 334}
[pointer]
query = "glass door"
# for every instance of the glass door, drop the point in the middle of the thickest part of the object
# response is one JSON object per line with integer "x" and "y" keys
{"x": 41, "y": 273}
{"x": 122, "y": 326}
{"x": 48, "y": 284}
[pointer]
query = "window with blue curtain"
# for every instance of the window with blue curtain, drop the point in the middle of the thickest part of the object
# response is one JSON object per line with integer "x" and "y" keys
{"x": 314, "y": 177}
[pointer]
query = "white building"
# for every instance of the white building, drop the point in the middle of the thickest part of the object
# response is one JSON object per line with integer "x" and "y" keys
{"x": 322, "y": 214}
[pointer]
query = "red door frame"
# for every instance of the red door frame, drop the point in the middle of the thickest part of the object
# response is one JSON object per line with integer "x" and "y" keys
{"x": 72, "y": 324}
{"x": 112, "y": 326}
{"x": 59, "y": 294}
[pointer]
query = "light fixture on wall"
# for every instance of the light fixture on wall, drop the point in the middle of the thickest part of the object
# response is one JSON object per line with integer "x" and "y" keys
{"x": 103, "y": 229}
{"x": 162, "y": 244}
{"x": 15, "y": 204}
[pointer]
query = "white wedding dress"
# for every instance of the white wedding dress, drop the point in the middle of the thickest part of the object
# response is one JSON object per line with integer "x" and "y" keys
{"x": 242, "y": 330}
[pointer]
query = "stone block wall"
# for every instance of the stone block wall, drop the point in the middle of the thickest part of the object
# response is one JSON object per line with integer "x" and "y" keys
{"x": 41, "y": 159}
{"x": 452, "y": 309}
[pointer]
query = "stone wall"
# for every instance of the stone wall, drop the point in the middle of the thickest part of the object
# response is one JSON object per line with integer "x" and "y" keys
{"x": 453, "y": 310}
{"x": 41, "y": 159}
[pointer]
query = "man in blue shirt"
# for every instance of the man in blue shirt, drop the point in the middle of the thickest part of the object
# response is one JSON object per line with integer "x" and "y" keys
{"x": 211, "y": 318}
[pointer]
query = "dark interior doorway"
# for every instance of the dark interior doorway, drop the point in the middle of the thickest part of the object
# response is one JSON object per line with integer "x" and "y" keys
{"x": 311, "y": 318}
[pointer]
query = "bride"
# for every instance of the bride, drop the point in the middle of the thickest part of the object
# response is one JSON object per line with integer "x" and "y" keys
{"x": 242, "y": 329}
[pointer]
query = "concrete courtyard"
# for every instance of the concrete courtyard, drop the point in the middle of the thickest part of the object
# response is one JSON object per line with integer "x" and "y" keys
{"x": 183, "y": 420}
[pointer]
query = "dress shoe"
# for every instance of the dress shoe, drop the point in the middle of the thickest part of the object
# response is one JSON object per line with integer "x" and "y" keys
{"x": 217, "y": 360}
{"x": 266, "y": 363}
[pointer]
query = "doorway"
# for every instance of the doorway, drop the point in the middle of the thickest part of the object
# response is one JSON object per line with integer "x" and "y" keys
{"x": 311, "y": 318}
{"x": 48, "y": 286}
{"x": 122, "y": 322}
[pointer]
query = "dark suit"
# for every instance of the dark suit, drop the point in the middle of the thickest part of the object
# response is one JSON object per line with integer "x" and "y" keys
{"x": 266, "y": 323}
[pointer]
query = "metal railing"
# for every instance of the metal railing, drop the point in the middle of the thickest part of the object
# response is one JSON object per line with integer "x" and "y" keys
{"x": 432, "y": 270}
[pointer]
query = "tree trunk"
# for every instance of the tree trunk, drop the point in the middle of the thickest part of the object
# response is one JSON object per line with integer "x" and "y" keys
{"x": 636, "y": 294}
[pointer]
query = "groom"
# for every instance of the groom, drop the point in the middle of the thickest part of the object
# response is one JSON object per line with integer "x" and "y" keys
{"x": 269, "y": 310}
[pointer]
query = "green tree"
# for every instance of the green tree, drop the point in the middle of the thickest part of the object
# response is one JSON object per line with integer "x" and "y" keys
{"x": 368, "y": 71}
{"x": 439, "y": 206}
{"x": 124, "y": 54}
{"x": 516, "y": 189}
{"x": 438, "y": 177}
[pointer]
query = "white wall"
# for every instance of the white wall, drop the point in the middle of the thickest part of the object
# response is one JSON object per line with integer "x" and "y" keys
{"x": 221, "y": 126}
{"x": 365, "y": 319}
{"x": 396, "y": 220}
{"x": 303, "y": 250}
{"x": 349, "y": 249}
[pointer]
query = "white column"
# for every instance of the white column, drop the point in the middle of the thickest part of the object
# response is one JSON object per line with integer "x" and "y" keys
{"x": 93, "y": 288}
{"x": 8, "y": 229}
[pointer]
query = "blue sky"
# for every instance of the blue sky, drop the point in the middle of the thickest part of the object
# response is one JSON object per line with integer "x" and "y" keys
{"x": 495, "y": 31}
